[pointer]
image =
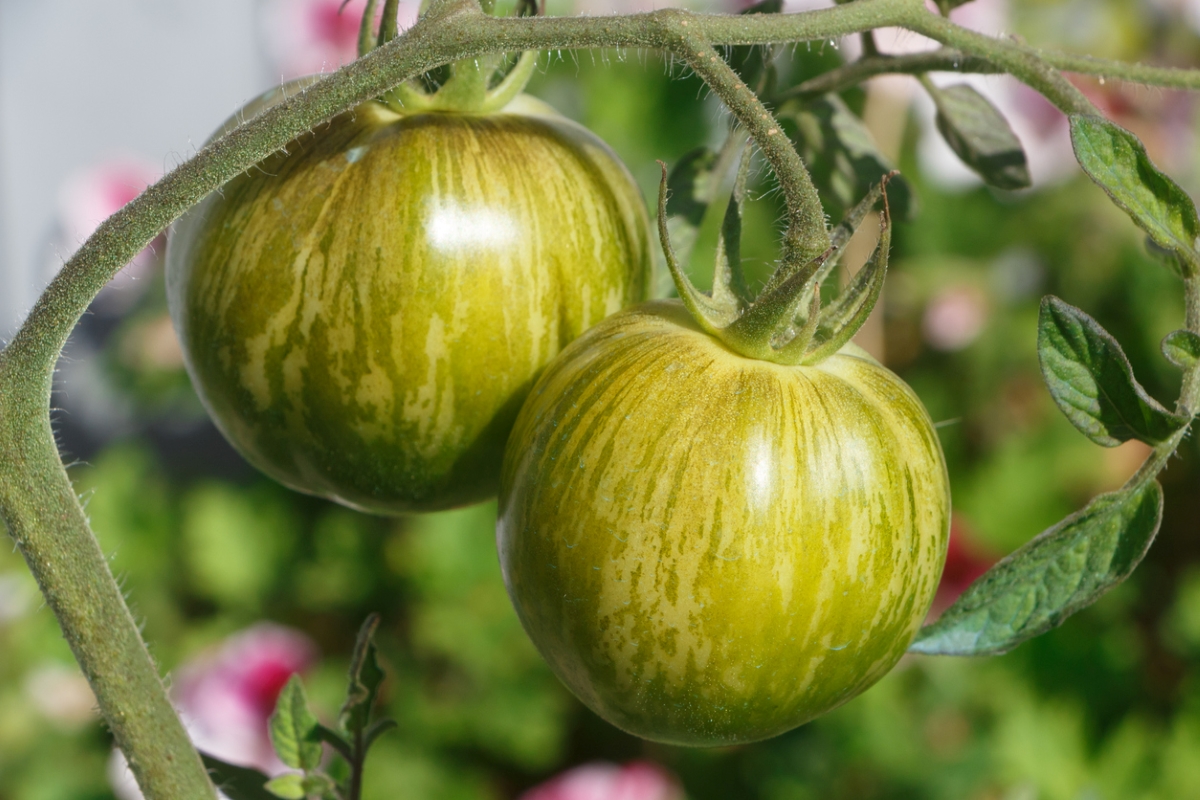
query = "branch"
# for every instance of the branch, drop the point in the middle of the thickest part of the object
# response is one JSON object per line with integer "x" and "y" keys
{"x": 836, "y": 80}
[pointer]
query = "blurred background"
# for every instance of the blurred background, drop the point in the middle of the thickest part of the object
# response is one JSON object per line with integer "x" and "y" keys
{"x": 240, "y": 583}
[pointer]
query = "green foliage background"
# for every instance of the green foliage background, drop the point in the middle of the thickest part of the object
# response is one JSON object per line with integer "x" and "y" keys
{"x": 1106, "y": 707}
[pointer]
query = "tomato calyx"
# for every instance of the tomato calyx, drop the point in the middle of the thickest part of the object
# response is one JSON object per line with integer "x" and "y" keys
{"x": 473, "y": 87}
{"x": 785, "y": 323}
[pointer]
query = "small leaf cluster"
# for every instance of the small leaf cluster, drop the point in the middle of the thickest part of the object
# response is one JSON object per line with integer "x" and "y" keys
{"x": 299, "y": 738}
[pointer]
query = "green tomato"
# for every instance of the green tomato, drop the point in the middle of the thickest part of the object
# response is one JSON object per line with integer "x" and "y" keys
{"x": 710, "y": 549}
{"x": 364, "y": 314}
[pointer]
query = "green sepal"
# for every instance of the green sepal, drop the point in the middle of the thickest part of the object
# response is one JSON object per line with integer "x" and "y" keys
{"x": 237, "y": 782}
{"x": 366, "y": 33}
{"x": 388, "y": 22}
{"x": 365, "y": 679}
{"x": 729, "y": 281}
{"x": 689, "y": 192}
{"x": 289, "y": 786}
{"x": 294, "y": 728}
{"x": 711, "y": 316}
{"x": 841, "y": 319}
{"x": 702, "y": 188}
{"x": 1061, "y": 571}
{"x": 979, "y": 135}
{"x": 1092, "y": 381}
{"x": 1181, "y": 348}
{"x": 841, "y": 155}
{"x": 1116, "y": 160}
{"x": 768, "y": 324}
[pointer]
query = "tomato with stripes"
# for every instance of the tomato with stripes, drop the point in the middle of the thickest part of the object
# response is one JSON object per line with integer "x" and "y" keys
{"x": 364, "y": 314}
{"x": 709, "y": 549}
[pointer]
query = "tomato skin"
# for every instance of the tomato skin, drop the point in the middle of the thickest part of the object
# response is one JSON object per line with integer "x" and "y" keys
{"x": 709, "y": 549}
{"x": 364, "y": 315}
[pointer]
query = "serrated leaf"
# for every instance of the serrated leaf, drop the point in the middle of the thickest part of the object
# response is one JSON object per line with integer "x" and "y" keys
{"x": 365, "y": 679}
{"x": 1092, "y": 381}
{"x": 842, "y": 157}
{"x": 1061, "y": 571}
{"x": 1116, "y": 160}
{"x": 235, "y": 782}
{"x": 294, "y": 728}
{"x": 1181, "y": 348}
{"x": 289, "y": 786}
{"x": 980, "y": 135}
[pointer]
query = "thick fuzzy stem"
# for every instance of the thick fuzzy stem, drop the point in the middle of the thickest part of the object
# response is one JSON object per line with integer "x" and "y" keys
{"x": 806, "y": 236}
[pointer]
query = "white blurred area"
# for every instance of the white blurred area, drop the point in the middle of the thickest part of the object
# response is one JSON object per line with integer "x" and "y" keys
{"x": 85, "y": 82}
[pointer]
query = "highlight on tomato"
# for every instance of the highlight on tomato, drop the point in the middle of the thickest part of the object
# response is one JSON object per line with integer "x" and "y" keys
{"x": 363, "y": 314}
{"x": 719, "y": 518}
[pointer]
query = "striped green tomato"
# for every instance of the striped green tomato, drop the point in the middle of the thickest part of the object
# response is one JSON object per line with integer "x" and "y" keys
{"x": 364, "y": 314}
{"x": 710, "y": 549}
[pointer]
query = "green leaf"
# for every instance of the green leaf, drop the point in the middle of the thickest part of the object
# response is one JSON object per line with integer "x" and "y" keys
{"x": 980, "y": 135}
{"x": 1063, "y": 570}
{"x": 294, "y": 728}
{"x": 1116, "y": 160}
{"x": 842, "y": 157}
{"x": 289, "y": 786}
{"x": 365, "y": 679}
{"x": 319, "y": 785}
{"x": 1181, "y": 348}
{"x": 1092, "y": 381}
{"x": 237, "y": 783}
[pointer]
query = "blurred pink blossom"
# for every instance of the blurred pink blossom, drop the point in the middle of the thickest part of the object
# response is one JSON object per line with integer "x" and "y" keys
{"x": 637, "y": 780}
{"x": 306, "y": 37}
{"x": 226, "y": 696}
{"x": 954, "y": 317}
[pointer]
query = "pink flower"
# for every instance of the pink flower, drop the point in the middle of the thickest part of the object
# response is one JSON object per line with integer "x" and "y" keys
{"x": 954, "y": 317}
{"x": 306, "y": 37}
{"x": 599, "y": 780}
{"x": 226, "y": 697}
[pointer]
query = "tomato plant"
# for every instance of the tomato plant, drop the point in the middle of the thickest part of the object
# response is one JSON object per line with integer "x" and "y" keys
{"x": 363, "y": 314}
